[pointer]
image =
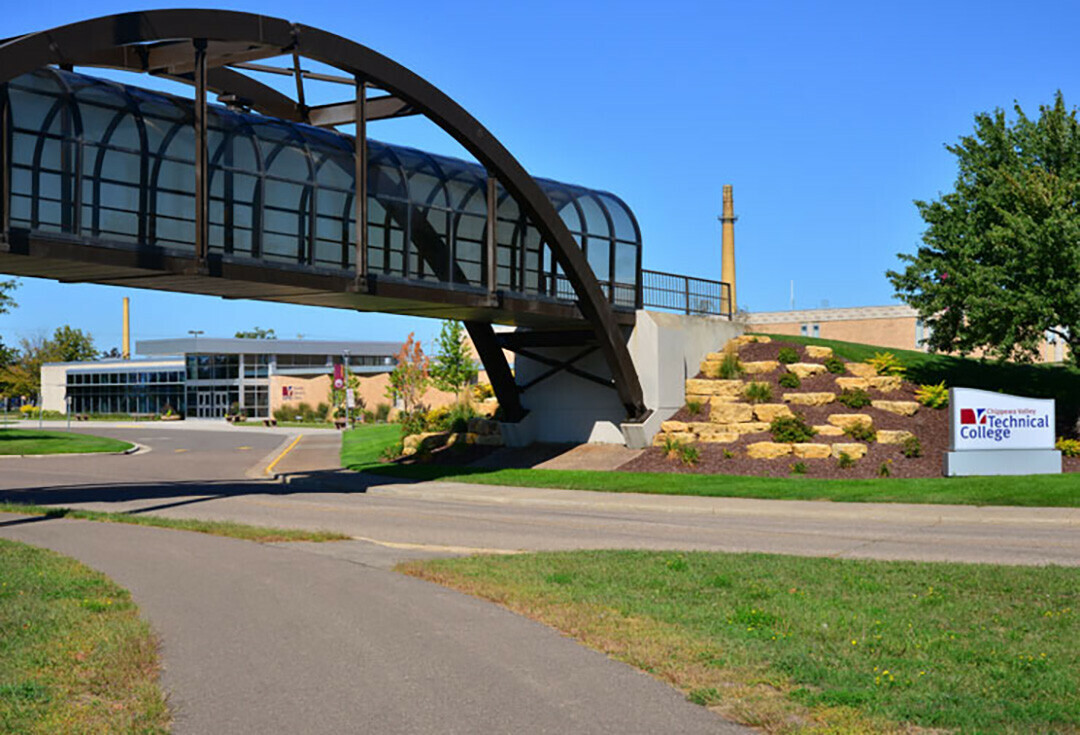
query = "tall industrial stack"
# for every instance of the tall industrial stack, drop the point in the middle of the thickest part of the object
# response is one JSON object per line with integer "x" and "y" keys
{"x": 727, "y": 254}
{"x": 125, "y": 348}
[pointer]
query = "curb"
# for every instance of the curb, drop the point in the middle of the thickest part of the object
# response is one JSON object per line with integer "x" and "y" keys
{"x": 135, "y": 448}
{"x": 258, "y": 470}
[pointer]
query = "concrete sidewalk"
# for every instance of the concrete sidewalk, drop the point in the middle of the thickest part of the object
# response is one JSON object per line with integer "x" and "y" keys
{"x": 275, "y": 639}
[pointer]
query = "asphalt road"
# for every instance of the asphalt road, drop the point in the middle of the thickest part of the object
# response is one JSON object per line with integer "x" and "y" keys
{"x": 459, "y": 517}
{"x": 275, "y": 639}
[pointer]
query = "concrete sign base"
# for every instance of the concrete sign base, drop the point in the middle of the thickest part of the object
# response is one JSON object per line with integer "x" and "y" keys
{"x": 1003, "y": 462}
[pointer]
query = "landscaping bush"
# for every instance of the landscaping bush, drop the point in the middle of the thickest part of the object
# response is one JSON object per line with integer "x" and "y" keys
{"x": 911, "y": 448}
{"x": 933, "y": 396}
{"x": 845, "y": 461}
{"x": 323, "y": 412}
{"x": 283, "y": 414}
{"x": 886, "y": 363}
{"x": 454, "y": 417}
{"x": 689, "y": 455}
{"x": 483, "y": 391}
{"x": 861, "y": 431}
{"x": 885, "y": 470}
{"x": 694, "y": 407}
{"x": 835, "y": 365}
{"x": 758, "y": 392}
{"x": 392, "y": 452}
{"x": 382, "y": 412}
{"x": 857, "y": 398}
{"x": 1068, "y": 447}
{"x": 791, "y": 429}
{"x": 412, "y": 423}
{"x": 799, "y": 468}
{"x": 787, "y": 355}
{"x": 671, "y": 447}
{"x": 789, "y": 380}
{"x": 730, "y": 367}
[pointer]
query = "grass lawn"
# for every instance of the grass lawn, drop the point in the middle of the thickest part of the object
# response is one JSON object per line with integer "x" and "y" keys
{"x": 1032, "y": 491}
{"x": 74, "y": 654}
{"x": 214, "y": 528}
{"x": 362, "y": 446}
{"x": 794, "y": 644}
{"x": 29, "y": 441}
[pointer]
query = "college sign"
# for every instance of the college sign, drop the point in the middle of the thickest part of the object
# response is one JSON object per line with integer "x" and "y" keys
{"x": 998, "y": 434}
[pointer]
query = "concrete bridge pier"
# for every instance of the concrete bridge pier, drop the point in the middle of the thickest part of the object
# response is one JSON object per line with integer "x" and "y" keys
{"x": 567, "y": 407}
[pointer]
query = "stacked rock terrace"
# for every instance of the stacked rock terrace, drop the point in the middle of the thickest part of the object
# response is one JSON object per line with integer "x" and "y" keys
{"x": 727, "y": 417}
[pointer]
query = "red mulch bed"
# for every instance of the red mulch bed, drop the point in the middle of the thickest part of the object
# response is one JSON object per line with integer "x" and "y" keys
{"x": 931, "y": 426}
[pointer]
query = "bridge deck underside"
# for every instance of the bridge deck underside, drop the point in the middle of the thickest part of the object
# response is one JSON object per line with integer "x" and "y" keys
{"x": 71, "y": 260}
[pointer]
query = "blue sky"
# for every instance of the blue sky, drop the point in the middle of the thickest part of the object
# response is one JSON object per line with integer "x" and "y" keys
{"x": 828, "y": 119}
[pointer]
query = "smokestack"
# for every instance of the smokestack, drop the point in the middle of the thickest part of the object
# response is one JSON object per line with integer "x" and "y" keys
{"x": 125, "y": 348}
{"x": 727, "y": 253}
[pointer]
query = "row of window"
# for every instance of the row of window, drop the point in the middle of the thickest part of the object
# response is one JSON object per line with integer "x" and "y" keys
{"x": 116, "y": 377}
{"x": 115, "y": 399}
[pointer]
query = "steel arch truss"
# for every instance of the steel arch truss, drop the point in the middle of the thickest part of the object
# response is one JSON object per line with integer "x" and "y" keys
{"x": 213, "y": 49}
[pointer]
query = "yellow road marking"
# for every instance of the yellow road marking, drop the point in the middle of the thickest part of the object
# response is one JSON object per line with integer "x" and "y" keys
{"x": 241, "y": 448}
{"x": 179, "y": 450}
{"x": 270, "y": 467}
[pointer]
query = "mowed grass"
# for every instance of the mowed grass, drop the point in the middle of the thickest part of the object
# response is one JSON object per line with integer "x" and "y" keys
{"x": 31, "y": 441}
{"x": 362, "y": 446}
{"x": 792, "y": 644}
{"x": 214, "y": 528}
{"x": 1031, "y": 491}
{"x": 74, "y": 655}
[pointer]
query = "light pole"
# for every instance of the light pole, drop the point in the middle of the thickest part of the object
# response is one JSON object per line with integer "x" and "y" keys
{"x": 345, "y": 373}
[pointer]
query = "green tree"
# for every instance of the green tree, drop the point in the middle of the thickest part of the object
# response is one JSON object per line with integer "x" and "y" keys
{"x": 257, "y": 333}
{"x": 23, "y": 377}
{"x": 999, "y": 267}
{"x": 7, "y": 303}
{"x": 410, "y": 377}
{"x": 70, "y": 345}
{"x": 453, "y": 367}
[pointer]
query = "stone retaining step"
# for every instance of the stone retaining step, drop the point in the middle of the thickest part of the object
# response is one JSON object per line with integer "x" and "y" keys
{"x": 810, "y": 399}
{"x": 806, "y": 369}
{"x": 900, "y": 408}
{"x": 844, "y": 420}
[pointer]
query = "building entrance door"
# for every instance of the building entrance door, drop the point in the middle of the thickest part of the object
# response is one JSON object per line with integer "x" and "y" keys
{"x": 211, "y": 404}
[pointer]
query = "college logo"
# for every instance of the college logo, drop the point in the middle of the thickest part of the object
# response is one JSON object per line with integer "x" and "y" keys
{"x": 287, "y": 392}
{"x": 973, "y": 416}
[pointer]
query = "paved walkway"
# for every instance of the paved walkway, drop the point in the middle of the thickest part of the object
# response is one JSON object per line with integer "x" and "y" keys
{"x": 276, "y": 639}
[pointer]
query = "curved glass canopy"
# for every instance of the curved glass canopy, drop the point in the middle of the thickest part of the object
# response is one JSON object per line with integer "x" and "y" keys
{"x": 113, "y": 162}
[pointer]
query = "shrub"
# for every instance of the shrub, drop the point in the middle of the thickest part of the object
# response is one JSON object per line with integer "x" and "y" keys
{"x": 322, "y": 411}
{"x": 857, "y": 398}
{"x": 483, "y": 391}
{"x": 911, "y": 447}
{"x": 758, "y": 392}
{"x": 382, "y": 412}
{"x": 368, "y": 416}
{"x": 671, "y": 447}
{"x": 844, "y": 461}
{"x": 1068, "y": 447}
{"x": 283, "y": 414}
{"x": 790, "y": 429}
{"x": 412, "y": 423}
{"x": 392, "y": 452}
{"x": 885, "y": 470}
{"x": 799, "y": 468}
{"x": 933, "y": 396}
{"x": 694, "y": 407}
{"x": 886, "y": 363}
{"x": 689, "y": 455}
{"x": 835, "y": 365}
{"x": 728, "y": 454}
{"x": 861, "y": 431}
{"x": 787, "y": 355}
{"x": 730, "y": 367}
{"x": 790, "y": 380}
{"x": 28, "y": 412}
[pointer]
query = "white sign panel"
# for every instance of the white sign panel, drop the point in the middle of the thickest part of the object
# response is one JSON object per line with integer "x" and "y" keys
{"x": 350, "y": 398}
{"x": 980, "y": 419}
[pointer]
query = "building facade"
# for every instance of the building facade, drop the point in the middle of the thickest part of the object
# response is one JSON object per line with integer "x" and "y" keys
{"x": 894, "y": 326}
{"x": 211, "y": 377}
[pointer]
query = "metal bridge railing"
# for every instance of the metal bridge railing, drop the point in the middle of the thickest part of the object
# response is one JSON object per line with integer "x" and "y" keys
{"x": 685, "y": 294}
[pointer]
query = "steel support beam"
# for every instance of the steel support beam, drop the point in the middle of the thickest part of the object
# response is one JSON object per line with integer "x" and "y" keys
{"x": 202, "y": 160}
{"x": 360, "y": 198}
{"x": 5, "y": 165}
{"x": 491, "y": 245}
{"x": 498, "y": 369}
